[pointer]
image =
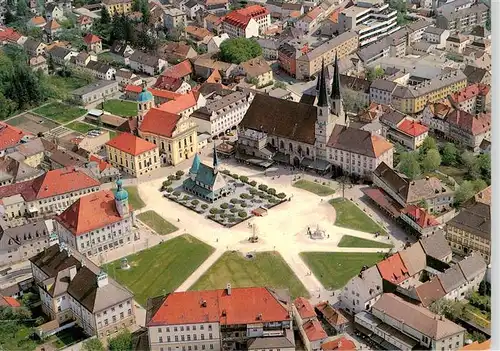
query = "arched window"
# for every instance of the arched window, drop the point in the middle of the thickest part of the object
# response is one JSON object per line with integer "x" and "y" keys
{"x": 307, "y": 151}
{"x": 290, "y": 147}
{"x": 282, "y": 144}
{"x": 272, "y": 142}
{"x": 299, "y": 150}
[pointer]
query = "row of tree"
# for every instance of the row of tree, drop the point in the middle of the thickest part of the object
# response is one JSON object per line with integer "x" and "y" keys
{"x": 122, "y": 342}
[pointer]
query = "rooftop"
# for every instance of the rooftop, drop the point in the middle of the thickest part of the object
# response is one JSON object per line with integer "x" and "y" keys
{"x": 130, "y": 144}
{"x": 393, "y": 269}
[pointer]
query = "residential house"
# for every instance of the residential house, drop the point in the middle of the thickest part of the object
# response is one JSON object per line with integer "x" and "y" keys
{"x": 34, "y": 47}
{"x": 39, "y": 63}
{"x": 469, "y": 130}
{"x": 102, "y": 170}
{"x": 398, "y": 127}
{"x": 174, "y": 18}
{"x": 269, "y": 48}
{"x": 200, "y": 36}
{"x": 289, "y": 52}
{"x": 362, "y": 291}
{"x": 10, "y": 137}
{"x": 215, "y": 42}
{"x": 216, "y": 6}
{"x": 470, "y": 229}
{"x": 132, "y": 154}
{"x": 437, "y": 247}
{"x": 93, "y": 43}
{"x": 125, "y": 77}
{"x": 310, "y": 20}
{"x": 33, "y": 152}
{"x": 60, "y": 55}
{"x": 10, "y": 36}
{"x": 381, "y": 91}
{"x": 14, "y": 171}
{"x": 477, "y": 75}
{"x": 417, "y": 29}
{"x": 175, "y": 52}
{"x": 357, "y": 89}
{"x": 456, "y": 43}
{"x": 339, "y": 344}
{"x": 311, "y": 331}
{"x": 221, "y": 319}
{"x": 436, "y": 36}
{"x": 192, "y": 7}
{"x": 18, "y": 244}
{"x": 394, "y": 271}
{"x": 463, "y": 20}
{"x": 100, "y": 70}
{"x": 118, "y": 6}
{"x": 95, "y": 92}
{"x": 435, "y": 117}
{"x": 474, "y": 98}
{"x": 73, "y": 288}
{"x": 257, "y": 71}
{"x": 37, "y": 21}
{"x": 121, "y": 49}
{"x": 246, "y": 22}
{"x": 54, "y": 12}
{"x": 420, "y": 220}
{"x": 51, "y": 29}
{"x": 145, "y": 63}
{"x": 332, "y": 317}
{"x": 84, "y": 22}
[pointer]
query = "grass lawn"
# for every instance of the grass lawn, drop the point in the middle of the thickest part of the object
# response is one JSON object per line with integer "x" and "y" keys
{"x": 157, "y": 223}
{"x": 334, "y": 269}
{"x": 161, "y": 269}
{"x": 477, "y": 316}
{"x": 81, "y": 127}
{"x": 351, "y": 216}
{"x": 265, "y": 269}
{"x": 456, "y": 173}
{"x": 63, "y": 86}
{"x": 67, "y": 337}
{"x": 133, "y": 197}
{"x": 315, "y": 188}
{"x": 121, "y": 108}
{"x": 353, "y": 241}
{"x": 60, "y": 112}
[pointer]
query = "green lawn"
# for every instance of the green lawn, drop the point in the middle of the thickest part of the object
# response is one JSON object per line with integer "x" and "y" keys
{"x": 315, "y": 188}
{"x": 80, "y": 127}
{"x": 157, "y": 223}
{"x": 456, "y": 173}
{"x": 121, "y": 108}
{"x": 265, "y": 269}
{"x": 335, "y": 269}
{"x": 348, "y": 215}
{"x": 477, "y": 316}
{"x": 63, "y": 86}
{"x": 60, "y": 112}
{"x": 161, "y": 269}
{"x": 133, "y": 197}
{"x": 353, "y": 241}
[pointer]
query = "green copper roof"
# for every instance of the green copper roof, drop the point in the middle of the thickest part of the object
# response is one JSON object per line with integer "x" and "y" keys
{"x": 144, "y": 96}
{"x": 196, "y": 165}
{"x": 121, "y": 194}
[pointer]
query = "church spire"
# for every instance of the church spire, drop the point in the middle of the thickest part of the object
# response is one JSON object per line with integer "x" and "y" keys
{"x": 216, "y": 160}
{"x": 336, "y": 80}
{"x": 323, "y": 94}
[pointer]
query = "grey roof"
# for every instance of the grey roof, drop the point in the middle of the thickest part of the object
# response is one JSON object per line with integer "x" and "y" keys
{"x": 144, "y": 58}
{"x": 277, "y": 342}
{"x": 32, "y": 44}
{"x": 436, "y": 246}
{"x": 216, "y": 103}
{"x": 292, "y": 6}
{"x": 368, "y": 52}
{"x": 475, "y": 219}
{"x": 452, "y": 14}
{"x": 452, "y": 279}
{"x": 16, "y": 236}
{"x": 59, "y": 52}
{"x": 434, "y": 30}
{"x": 392, "y": 117}
{"x": 93, "y": 87}
{"x": 355, "y": 83}
{"x": 421, "y": 23}
{"x": 268, "y": 43}
{"x": 98, "y": 66}
{"x": 53, "y": 260}
{"x": 384, "y": 85}
{"x": 16, "y": 171}
{"x": 35, "y": 146}
{"x": 368, "y": 280}
{"x": 472, "y": 266}
{"x": 474, "y": 74}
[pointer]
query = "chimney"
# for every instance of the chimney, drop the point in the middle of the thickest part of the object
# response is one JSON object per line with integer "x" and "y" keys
{"x": 427, "y": 178}
{"x": 228, "y": 289}
{"x": 259, "y": 316}
{"x": 203, "y": 303}
{"x": 72, "y": 273}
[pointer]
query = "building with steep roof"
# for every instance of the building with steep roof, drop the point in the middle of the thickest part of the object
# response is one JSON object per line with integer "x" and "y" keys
{"x": 224, "y": 319}
{"x": 246, "y": 22}
{"x": 420, "y": 220}
{"x": 362, "y": 291}
{"x": 133, "y": 155}
{"x": 93, "y": 43}
{"x": 73, "y": 288}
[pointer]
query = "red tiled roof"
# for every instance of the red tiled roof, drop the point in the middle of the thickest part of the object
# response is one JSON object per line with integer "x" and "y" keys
{"x": 180, "y": 70}
{"x": 304, "y": 308}
{"x": 314, "y": 331}
{"x": 243, "y": 306}
{"x": 159, "y": 122}
{"x": 340, "y": 344}
{"x": 84, "y": 19}
{"x": 330, "y": 314}
{"x": 470, "y": 91}
{"x": 420, "y": 216}
{"x": 38, "y": 20}
{"x": 168, "y": 83}
{"x": 253, "y": 11}
{"x": 412, "y": 128}
{"x": 10, "y": 136}
{"x": 90, "y": 212}
{"x": 198, "y": 32}
{"x": 474, "y": 125}
{"x": 130, "y": 144}
{"x": 100, "y": 162}
{"x": 236, "y": 19}
{"x": 393, "y": 269}
{"x": 9, "y": 34}
{"x": 91, "y": 39}
{"x": 52, "y": 183}
{"x": 180, "y": 104}
{"x": 7, "y": 301}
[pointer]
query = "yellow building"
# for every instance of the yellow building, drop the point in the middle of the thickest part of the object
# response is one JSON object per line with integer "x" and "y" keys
{"x": 174, "y": 133}
{"x": 132, "y": 154}
{"x": 118, "y": 6}
{"x": 414, "y": 98}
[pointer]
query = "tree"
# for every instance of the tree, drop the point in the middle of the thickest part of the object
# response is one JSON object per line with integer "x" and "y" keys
{"x": 105, "y": 17}
{"x": 484, "y": 165}
{"x": 479, "y": 185}
{"x": 279, "y": 84}
{"x": 238, "y": 50}
{"x": 409, "y": 165}
{"x": 22, "y": 9}
{"x": 449, "y": 154}
{"x": 449, "y": 308}
{"x": 431, "y": 161}
{"x": 122, "y": 342}
{"x": 469, "y": 161}
{"x": 465, "y": 192}
{"x": 372, "y": 74}
{"x": 400, "y": 7}
{"x": 428, "y": 144}
{"x": 93, "y": 345}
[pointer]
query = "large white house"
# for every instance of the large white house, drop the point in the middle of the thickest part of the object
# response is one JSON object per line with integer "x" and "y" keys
{"x": 362, "y": 291}
{"x": 247, "y": 22}
{"x": 98, "y": 222}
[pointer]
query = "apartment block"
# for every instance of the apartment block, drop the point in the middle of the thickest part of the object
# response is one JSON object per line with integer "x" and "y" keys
{"x": 463, "y": 20}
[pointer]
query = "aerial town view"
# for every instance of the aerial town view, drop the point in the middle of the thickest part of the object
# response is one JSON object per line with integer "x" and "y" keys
{"x": 266, "y": 175}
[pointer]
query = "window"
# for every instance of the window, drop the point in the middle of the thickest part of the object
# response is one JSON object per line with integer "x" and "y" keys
{"x": 175, "y": 329}
{"x": 211, "y": 346}
{"x": 210, "y": 336}
{"x": 202, "y": 336}
{"x": 160, "y": 339}
{"x": 201, "y": 327}
{"x": 168, "y": 338}
{"x": 187, "y": 328}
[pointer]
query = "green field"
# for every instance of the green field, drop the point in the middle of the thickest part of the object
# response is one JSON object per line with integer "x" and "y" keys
{"x": 133, "y": 197}
{"x": 80, "y": 127}
{"x": 157, "y": 223}
{"x": 161, "y": 269}
{"x": 335, "y": 269}
{"x": 354, "y": 241}
{"x": 265, "y": 269}
{"x": 63, "y": 86}
{"x": 315, "y": 188}
{"x": 348, "y": 215}
{"x": 121, "y": 108}
{"x": 60, "y": 112}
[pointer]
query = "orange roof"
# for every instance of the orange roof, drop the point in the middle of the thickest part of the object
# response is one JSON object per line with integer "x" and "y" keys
{"x": 341, "y": 344}
{"x": 159, "y": 122}
{"x": 8, "y": 301}
{"x": 412, "y": 128}
{"x": 52, "y": 25}
{"x": 294, "y": 14}
{"x": 253, "y": 11}
{"x": 90, "y": 212}
{"x": 180, "y": 70}
{"x": 380, "y": 145}
{"x": 330, "y": 314}
{"x": 180, "y": 104}
{"x": 130, "y": 144}
{"x": 198, "y": 33}
{"x": 476, "y": 346}
{"x": 215, "y": 77}
{"x": 420, "y": 216}
{"x": 91, "y": 39}
{"x": 393, "y": 269}
{"x": 242, "y": 306}
{"x": 314, "y": 13}
{"x": 304, "y": 308}
{"x": 9, "y": 34}
{"x": 10, "y": 136}
{"x": 237, "y": 19}
{"x": 100, "y": 162}
{"x": 470, "y": 92}
{"x": 84, "y": 19}
{"x": 213, "y": 19}
{"x": 314, "y": 331}
{"x": 38, "y": 20}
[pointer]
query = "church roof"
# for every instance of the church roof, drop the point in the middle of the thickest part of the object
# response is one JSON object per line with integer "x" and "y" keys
{"x": 196, "y": 165}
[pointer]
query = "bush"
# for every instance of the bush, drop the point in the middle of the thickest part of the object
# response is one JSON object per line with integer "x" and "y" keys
{"x": 263, "y": 187}
{"x": 224, "y": 206}
{"x": 226, "y": 172}
{"x": 171, "y": 177}
{"x": 222, "y": 215}
{"x": 253, "y": 183}
{"x": 177, "y": 177}
{"x": 245, "y": 196}
{"x": 233, "y": 210}
{"x": 179, "y": 173}
{"x": 271, "y": 191}
{"x": 253, "y": 191}
{"x": 234, "y": 201}
{"x": 242, "y": 214}
{"x": 213, "y": 211}
{"x": 235, "y": 176}
{"x": 176, "y": 193}
{"x": 243, "y": 204}
{"x": 195, "y": 202}
{"x": 166, "y": 183}
{"x": 281, "y": 196}
{"x": 185, "y": 198}
{"x": 244, "y": 179}
{"x": 273, "y": 200}
{"x": 204, "y": 206}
